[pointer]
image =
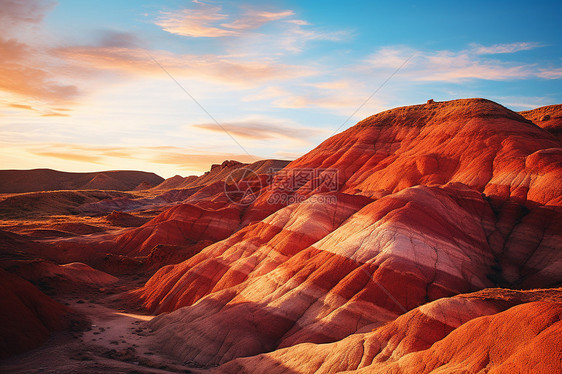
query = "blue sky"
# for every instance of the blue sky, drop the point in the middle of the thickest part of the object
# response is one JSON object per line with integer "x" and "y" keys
{"x": 81, "y": 88}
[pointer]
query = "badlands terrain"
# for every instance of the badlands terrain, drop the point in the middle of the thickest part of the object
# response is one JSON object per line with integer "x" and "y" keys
{"x": 424, "y": 239}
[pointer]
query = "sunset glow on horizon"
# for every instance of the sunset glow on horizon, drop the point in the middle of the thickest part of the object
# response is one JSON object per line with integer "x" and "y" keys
{"x": 88, "y": 86}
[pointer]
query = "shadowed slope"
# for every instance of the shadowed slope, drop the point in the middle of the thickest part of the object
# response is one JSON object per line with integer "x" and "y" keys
{"x": 41, "y": 204}
{"x": 493, "y": 330}
{"x": 27, "y": 316}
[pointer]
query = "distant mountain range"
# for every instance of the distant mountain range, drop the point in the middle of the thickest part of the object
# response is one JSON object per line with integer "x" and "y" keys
{"x": 17, "y": 181}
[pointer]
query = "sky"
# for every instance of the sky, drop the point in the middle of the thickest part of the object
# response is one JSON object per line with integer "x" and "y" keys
{"x": 175, "y": 86}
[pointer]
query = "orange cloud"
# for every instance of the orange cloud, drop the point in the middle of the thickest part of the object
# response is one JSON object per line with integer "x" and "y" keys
{"x": 203, "y": 20}
{"x": 20, "y": 74}
{"x": 55, "y": 114}
{"x": 21, "y": 106}
{"x": 119, "y": 154}
{"x": 179, "y": 158}
{"x": 52, "y": 76}
{"x": 69, "y": 156}
{"x": 98, "y": 150}
{"x": 195, "y": 22}
{"x": 23, "y": 67}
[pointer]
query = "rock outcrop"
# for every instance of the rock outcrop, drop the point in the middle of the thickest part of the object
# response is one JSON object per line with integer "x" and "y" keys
{"x": 51, "y": 277}
{"x": 27, "y": 316}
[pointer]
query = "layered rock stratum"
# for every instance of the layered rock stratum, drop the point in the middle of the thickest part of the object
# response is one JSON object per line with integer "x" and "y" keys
{"x": 431, "y": 201}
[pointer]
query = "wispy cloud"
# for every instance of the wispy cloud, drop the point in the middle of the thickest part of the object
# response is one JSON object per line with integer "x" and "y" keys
{"x": 21, "y": 106}
{"x": 69, "y": 156}
{"x": 554, "y": 73}
{"x": 319, "y": 100}
{"x": 523, "y": 102}
{"x": 253, "y": 19}
{"x": 26, "y": 73}
{"x": 55, "y": 114}
{"x": 22, "y": 74}
{"x": 206, "y": 20}
{"x": 456, "y": 66}
{"x": 47, "y": 77}
{"x": 215, "y": 68}
{"x": 341, "y": 96}
{"x": 120, "y": 153}
{"x": 244, "y": 23}
{"x": 263, "y": 129}
{"x": 180, "y": 158}
{"x": 119, "y": 39}
{"x": 297, "y": 35}
{"x": 289, "y": 37}
{"x": 17, "y": 14}
{"x": 288, "y": 155}
{"x": 339, "y": 84}
{"x": 504, "y": 48}
{"x": 198, "y": 21}
{"x": 42, "y": 76}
